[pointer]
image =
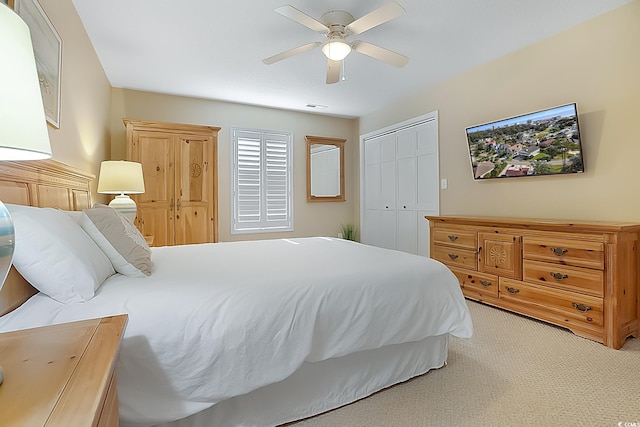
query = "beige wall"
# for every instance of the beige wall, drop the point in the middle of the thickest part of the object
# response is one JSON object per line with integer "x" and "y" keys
{"x": 310, "y": 219}
{"x": 83, "y": 139}
{"x": 596, "y": 65}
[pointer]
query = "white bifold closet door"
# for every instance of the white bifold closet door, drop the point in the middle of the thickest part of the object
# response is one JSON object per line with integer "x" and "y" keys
{"x": 400, "y": 185}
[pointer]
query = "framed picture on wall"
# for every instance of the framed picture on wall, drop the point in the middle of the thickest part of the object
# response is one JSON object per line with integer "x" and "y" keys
{"x": 47, "y": 47}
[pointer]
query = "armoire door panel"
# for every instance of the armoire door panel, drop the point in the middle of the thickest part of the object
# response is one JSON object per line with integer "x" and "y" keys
{"x": 156, "y": 221}
{"x": 156, "y": 153}
{"x": 193, "y": 176}
{"x": 193, "y": 225}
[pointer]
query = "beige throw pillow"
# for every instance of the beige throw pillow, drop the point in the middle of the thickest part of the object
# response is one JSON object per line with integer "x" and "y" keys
{"x": 119, "y": 239}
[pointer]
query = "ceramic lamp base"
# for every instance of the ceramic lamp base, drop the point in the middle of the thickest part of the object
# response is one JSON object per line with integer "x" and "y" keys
{"x": 126, "y": 206}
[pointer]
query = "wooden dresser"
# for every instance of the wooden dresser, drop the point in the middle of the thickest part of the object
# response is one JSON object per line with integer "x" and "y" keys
{"x": 61, "y": 375}
{"x": 579, "y": 275}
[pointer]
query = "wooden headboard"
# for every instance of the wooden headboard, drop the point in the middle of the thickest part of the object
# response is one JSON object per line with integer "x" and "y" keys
{"x": 42, "y": 183}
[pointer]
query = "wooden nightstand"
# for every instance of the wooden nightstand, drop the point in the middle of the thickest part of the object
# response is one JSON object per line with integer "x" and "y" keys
{"x": 61, "y": 375}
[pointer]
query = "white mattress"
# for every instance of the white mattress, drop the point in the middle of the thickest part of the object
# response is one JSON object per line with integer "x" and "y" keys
{"x": 216, "y": 321}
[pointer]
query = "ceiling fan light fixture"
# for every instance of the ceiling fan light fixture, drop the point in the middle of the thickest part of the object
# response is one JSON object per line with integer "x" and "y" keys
{"x": 336, "y": 49}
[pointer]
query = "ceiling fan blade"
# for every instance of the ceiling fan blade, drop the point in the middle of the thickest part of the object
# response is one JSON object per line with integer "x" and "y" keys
{"x": 380, "y": 53}
{"x": 333, "y": 71}
{"x": 372, "y": 19}
{"x": 288, "y": 53}
{"x": 302, "y": 18}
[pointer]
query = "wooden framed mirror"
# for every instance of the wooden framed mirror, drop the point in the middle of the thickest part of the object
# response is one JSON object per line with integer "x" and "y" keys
{"x": 325, "y": 169}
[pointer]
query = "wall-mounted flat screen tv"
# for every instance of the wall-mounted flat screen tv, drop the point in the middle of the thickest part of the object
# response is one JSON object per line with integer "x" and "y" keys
{"x": 545, "y": 142}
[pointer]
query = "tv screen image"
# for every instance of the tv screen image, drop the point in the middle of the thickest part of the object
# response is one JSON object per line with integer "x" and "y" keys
{"x": 545, "y": 142}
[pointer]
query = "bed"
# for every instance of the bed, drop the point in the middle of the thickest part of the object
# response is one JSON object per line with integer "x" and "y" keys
{"x": 238, "y": 333}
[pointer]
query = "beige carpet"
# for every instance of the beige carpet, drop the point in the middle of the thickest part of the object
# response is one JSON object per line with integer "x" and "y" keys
{"x": 513, "y": 372}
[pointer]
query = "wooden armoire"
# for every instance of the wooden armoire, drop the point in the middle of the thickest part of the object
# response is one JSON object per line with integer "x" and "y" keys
{"x": 179, "y": 164}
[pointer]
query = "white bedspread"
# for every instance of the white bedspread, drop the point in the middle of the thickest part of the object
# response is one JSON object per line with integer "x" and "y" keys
{"x": 220, "y": 320}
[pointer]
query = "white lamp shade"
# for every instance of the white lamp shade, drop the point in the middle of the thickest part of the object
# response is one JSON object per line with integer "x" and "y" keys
{"x": 23, "y": 127}
{"x": 336, "y": 49}
{"x": 120, "y": 177}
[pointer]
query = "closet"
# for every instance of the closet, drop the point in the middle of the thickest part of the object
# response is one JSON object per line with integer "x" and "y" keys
{"x": 179, "y": 161}
{"x": 399, "y": 185}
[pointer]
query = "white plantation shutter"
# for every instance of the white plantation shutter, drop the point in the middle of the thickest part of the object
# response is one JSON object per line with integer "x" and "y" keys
{"x": 262, "y": 181}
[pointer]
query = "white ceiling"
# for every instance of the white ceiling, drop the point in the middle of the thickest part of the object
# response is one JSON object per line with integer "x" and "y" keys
{"x": 214, "y": 49}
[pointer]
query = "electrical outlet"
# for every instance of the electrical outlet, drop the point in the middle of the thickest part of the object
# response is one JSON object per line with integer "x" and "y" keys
{"x": 443, "y": 183}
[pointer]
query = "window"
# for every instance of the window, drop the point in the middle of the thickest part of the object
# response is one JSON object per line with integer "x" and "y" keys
{"x": 262, "y": 181}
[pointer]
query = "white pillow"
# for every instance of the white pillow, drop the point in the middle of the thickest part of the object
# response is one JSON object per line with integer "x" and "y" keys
{"x": 56, "y": 256}
{"x": 74, "y": 215}
{"x": 119, "y": 239}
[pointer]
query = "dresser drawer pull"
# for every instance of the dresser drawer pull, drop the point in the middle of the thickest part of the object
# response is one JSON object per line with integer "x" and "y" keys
{"x": 512, "y": 290}
{"x": 559, "y": 251}
{"x": 453, "y": 256}
{"x": 485, "y": 283}
{"x": 581, "y": 307}
{"x": 452, "y": 237}
{"x": 558, "y": 276}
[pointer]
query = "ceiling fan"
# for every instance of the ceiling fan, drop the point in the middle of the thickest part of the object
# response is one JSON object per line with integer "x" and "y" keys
{"x": 337, "y": 26}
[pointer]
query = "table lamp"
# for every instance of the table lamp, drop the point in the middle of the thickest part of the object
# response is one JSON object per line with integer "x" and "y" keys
{"x": 122, "y": 178}
{"x": 23, "y": 127}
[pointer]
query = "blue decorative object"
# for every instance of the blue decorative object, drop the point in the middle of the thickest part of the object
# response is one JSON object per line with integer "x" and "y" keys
{"x": 7, "y": 242}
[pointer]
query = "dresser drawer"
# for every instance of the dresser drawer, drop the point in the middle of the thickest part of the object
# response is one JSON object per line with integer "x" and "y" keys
{"x": 455, "y": 257}
{"x": 484, "y": 284}
{"x": 571, "y": 306}
{"x": 580, "y": 253}
{"x": 576, "y": 279}
{"x": 463, "y": 239}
